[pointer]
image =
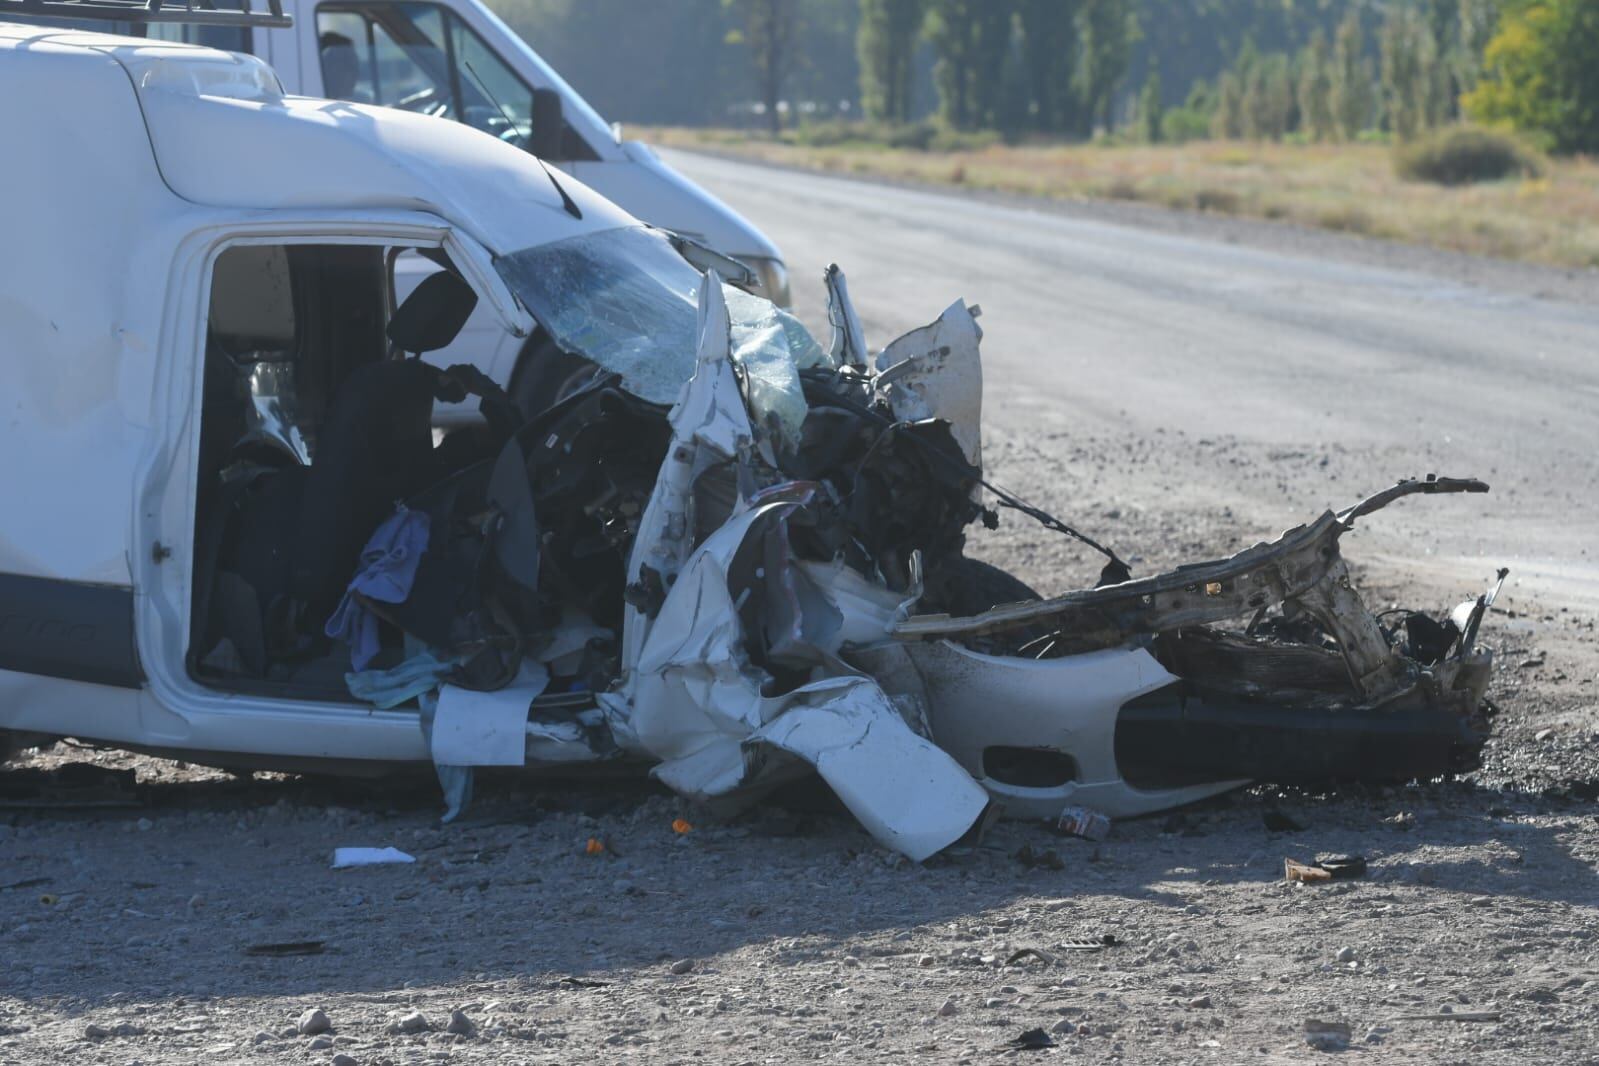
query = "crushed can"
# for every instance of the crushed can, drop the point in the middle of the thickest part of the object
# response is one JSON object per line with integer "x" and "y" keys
{"x": 1082, "y": 822}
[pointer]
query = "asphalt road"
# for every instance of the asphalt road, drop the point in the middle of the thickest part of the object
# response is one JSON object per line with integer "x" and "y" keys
{"x": 1110, "y": 327}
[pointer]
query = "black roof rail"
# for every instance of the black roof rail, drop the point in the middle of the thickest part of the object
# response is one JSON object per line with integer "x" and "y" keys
{"x": 195, "y": 12}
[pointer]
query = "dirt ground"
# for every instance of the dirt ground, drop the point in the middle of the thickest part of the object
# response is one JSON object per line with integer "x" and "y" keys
{"x": 787, "y": 935}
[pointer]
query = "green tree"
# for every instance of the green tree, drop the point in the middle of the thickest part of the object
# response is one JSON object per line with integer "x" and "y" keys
{"x": 768, "y": 31}
{"x": 1151, "y": 110}
{"x": 1050, "y": 46}
{"x": 1107, "y": 29}
{"x": 1227, "y": 120}
{"x": 1410, "y": 70}
{"x": 995, "y": 28}
{"x": 1541, "y": 73}
{"x": 886, "y": 42}
{"x": 1353, "y": 95}
{"x": 1191, "y": 122}
{"x": 1475, "y": 28}
{"x": 952, "y": 28}
{"x": 1315, "y": 89}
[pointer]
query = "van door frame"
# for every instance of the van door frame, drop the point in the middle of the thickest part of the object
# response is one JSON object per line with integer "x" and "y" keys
{"x": 163, "y": 555}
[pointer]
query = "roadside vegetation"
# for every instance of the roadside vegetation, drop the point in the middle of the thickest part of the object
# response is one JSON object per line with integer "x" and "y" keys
{"x": 1455, "y": 123}
{"x": 1351, "y": 188}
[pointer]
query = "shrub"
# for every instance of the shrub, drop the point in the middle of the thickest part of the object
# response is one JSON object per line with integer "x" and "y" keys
{"x": 948, "y": 140}
{"x": 1183, "y": 124}
{"x": 1462, "y": 155}
{"x": 922, "y": 136}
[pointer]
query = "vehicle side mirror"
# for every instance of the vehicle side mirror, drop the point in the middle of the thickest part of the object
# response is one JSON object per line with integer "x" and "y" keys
{"x": 549, "y": 125}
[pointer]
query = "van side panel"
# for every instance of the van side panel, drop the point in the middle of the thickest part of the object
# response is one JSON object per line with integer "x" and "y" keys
{"x": 79, "y": 337}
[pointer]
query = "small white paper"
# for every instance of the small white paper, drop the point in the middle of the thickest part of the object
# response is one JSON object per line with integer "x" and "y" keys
{"x": 486, "y": 728}
{"x": 344, "y": 857}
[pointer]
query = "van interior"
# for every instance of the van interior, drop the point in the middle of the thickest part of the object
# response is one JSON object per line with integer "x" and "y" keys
{"x": 317, "y": 429}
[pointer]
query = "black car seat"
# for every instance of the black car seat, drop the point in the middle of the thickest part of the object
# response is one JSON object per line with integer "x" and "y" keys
{"x": 375, "y": 447}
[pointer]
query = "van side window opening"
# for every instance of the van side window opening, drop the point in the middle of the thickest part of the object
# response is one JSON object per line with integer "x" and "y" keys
{"x": 421, "y": 57}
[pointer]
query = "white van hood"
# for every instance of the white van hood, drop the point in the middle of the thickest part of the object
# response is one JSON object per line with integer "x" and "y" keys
{"x": 225, "y": 135}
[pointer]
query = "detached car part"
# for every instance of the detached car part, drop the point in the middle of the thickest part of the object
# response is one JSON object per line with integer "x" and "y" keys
{"x": 1132, "y": 701}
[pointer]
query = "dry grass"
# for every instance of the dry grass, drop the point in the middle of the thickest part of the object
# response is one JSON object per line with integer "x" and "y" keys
{"x": 1552, "y": 219}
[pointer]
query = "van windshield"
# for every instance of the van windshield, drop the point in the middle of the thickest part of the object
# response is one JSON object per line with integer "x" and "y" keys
{"x": 622, "y": 298}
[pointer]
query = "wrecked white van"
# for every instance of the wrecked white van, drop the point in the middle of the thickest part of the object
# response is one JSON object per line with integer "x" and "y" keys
{"x": 234, "y": 529}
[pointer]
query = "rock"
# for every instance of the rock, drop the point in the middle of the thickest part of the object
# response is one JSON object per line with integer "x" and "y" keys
{"x": 320, "y": 1043}
{"x": 415, "y": 1022}
{"x": 96, "y": 1032}
{"x": 683, "y": 966}
{"x": 1327, "y": 1036}
{"x": 145, "y": 825}
{"x": 1063, "y": 1027}
{"x": 289, "y": 1032}
{"x": 1199, "y": 1003}
{"x": 460, "y": 1024}
{"x": 948, "y": 1010}
{"x": 1543, "y": 735}
{"x": 313, "y": 1021}
{"x": 264, "y": 1037}
{"x": 342, "y": 1059}
{"x": 1346, "y": 955}
{"x": 993, "y": 1001}
{"x": 926, "y": 960}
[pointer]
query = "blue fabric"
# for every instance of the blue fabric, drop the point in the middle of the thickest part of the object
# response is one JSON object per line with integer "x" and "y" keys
{"x": 390, "y": 688}
{"x": 388, "y": 568}
{"x": 454, "y": 781}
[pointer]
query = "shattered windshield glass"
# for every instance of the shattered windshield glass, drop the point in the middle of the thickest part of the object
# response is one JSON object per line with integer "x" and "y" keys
{"x": 622, "y": 298}
{"x": 626, "y": 300}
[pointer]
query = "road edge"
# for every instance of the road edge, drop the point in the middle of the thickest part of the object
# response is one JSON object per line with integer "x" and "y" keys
{"x": 1531, "y": 280}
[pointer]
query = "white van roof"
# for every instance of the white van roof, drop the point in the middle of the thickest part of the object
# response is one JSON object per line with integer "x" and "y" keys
{"x": 223, "y": 133}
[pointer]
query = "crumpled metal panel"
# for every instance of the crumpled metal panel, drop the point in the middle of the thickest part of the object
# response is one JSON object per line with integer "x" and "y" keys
{"x": 697, "y": 705}
{"x": 937, "y": 372}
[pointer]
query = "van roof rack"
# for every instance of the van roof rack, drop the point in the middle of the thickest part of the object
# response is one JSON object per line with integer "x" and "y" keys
{"x": 196, "y": 12}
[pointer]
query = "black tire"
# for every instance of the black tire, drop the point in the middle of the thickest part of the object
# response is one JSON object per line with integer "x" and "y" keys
{"x": 965, "y": 586}
{"x": 545, "y": 374}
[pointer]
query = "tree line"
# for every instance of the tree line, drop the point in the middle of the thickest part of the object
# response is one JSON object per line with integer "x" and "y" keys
{"x": 1280, "y": 70}
{"x": 1141, "y": 69}
{"x": 1316, "y": 70}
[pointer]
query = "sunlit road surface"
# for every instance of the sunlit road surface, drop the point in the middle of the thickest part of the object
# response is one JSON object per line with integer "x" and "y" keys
{"x": 1110, "y": 327}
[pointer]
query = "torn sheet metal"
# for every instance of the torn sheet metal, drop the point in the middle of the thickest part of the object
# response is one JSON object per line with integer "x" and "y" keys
{"x": 848, "y": 344}
{"x": 866, "y": 610}
{"x": 937, "y": 372}
{"x": 699, "y": 705}
{"x": 486, "y": 728}
{"x": 709, "y": 425}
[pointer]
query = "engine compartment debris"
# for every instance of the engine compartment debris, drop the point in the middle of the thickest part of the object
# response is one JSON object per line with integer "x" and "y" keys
{"x": 738, "y": 555}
